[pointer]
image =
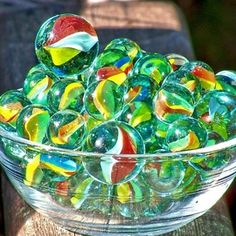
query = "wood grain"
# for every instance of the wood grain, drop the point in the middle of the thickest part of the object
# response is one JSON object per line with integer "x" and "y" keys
{"x": 156, "y": 26}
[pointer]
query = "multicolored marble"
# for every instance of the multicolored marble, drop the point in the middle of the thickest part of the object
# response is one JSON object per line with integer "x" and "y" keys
{"x": 104, "y": 100}
{"x": 207, "y": 164}
{"x": 186, "y": 79}
{"x": 215, "y": 111}
{"x": 173, "y": 102}
{"x": 37, "y": 84}
{"x": 131, "y": 198}
{"x": 127, "y": 46}
{"x": 59, "y": 164}
{"x": 141, "y": 88}
{"x": 66, "y": 94}
{"x": 16, "y": 151}
{"x": 111, "y": 73}
{"x": 176, "y": 60}
{"x": 32, "y": 123}
{"x": 11, "y": 103}
{"x": 49, "y": 171}
{"x": 203, "y": 72}
{"x": 114, "y": 57}
{"x": 163, "y": 176}
{"x": 113, "y": 138}
{"x": 154, "y": 66}
{"x": 159, "y": 140}
{"x": 186, "y": 134}
{"x": 33, "y": 172}
{"x": 189, "y": 184}
{"x": 139, "y": 115}
{"x": 67, "y": 44}
{"x": 66, "y": 129}
{"x": 90, "y": 122}
{"x": 37, "y": 68}
{"x": 226, "y": 80}
{"x": 89, "y": 194}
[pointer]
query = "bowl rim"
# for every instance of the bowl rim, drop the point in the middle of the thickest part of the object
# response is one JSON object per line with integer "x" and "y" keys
{"x": 72, "y": 152}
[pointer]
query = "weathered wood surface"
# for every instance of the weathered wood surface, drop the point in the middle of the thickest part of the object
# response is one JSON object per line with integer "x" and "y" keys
{"x": 156, "y": 26}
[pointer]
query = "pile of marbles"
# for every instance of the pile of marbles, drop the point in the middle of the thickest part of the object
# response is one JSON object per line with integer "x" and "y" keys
{"x": 122, "y": 101}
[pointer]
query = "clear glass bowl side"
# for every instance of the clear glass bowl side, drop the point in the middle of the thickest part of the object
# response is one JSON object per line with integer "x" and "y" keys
{"x": 148, "y": 193}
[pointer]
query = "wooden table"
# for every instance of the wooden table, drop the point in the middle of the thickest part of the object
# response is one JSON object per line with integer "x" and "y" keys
{"x": 156, "y": 26}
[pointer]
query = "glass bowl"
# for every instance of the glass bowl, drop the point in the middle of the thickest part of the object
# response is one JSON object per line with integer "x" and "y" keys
{"x": 162, "y": 192}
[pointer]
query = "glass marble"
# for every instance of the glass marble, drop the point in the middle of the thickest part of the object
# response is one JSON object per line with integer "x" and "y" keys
{"x": 16, "y": 151}
{"x": 186, "y": 134}
{"x": 160, "y": 137}
{"x": 37, "y": 68}
{"x": 37, "y": 84}
{"x": 67, "y": 44}
{"x": 173, "y": 102}
{"x": 155, "y": 145}
{"x": 153, "y": 65}
{"x": 129, "y": 192}
{"x": 158, "y": 204}
{"x": 11, "y": 103}
{"x": 111, "y": 73}
{"x": 114, "y": 57}
{"x": 186, "y": 79}
{"x": 33, "y": 172}
{"x": 139, "y": 115}
{"x": 203, "y": 72}
{"x": 163, "y": 177}
{"x": 226, "y": 80}
{"x": 59, "y": 164}
{"x": 131, "y": 48}
{"x": 104, "y": 100}
{"x": 66, "y": 94}
{"x": 141, "y": 88}
{"x": 214, "y": 110}
{"x": 48, "y": 169}
{"x": 90, "y": 122}
{"x": 113, "y": 138}
{"x": 176, "y": 60}
{"x": 32, "y": 123}
{"x": 131, "y": 198}
{"x": 66, "y": 129}
{"x": 89, "y": 194}
{"x": 206, "y": 164}
{"x": 189, "y": 182}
